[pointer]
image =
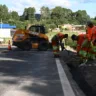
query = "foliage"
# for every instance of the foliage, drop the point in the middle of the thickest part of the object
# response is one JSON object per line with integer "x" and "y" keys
{"x": 52, "y": 26}
{"x": 14, "y": 15}
{"x": 93, "y": 20}
{"x": 48, "y": 17}
{"x": 4, "y": 15}
{"x": 82, "y": 16}
{"x": 29, "y": 14}
{"x": 45, "y": 12}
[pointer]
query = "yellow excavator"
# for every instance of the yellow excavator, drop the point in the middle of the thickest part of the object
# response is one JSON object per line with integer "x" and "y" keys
{"x": 32, "y": 37}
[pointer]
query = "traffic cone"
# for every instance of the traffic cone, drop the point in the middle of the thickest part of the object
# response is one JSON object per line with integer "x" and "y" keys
{"x": 9, "y": 45}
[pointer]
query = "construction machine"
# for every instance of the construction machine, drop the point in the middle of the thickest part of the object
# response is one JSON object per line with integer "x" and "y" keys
{"x": 33, "y": 37}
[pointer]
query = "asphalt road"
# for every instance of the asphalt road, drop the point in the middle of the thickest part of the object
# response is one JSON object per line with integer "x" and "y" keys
{"x": 35, "y": 73}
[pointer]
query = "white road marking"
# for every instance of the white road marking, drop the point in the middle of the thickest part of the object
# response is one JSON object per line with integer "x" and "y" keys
{"x": 10, "y": 59}
{"x": 67, "y": 89}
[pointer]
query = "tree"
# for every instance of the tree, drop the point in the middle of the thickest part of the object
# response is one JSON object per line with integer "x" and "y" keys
{"x": 49, "y": 17}
{"x": 14, "y": 15}
{"x": 29, "y": 14}
{"x": 95, "y": 18}
{"x": 56, "y": 15}
{"x": 45, "y": 12}
{"x": 82, "y": 17}
{"x": 4, "y": 15}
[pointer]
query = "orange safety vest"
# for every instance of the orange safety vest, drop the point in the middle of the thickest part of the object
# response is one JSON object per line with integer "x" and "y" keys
{"x": 80, "y": 41}
{"x": 93, "y": 37}
{"x": 57, "y": 37}
{"x": 60, "y": 35}
{"x": 89, "y": 33}
{"x": 55, "y": 42}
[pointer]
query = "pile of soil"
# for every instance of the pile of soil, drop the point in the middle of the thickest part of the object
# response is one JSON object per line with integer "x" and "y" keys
{"x": 88, "y": 72}
{"x": 84, "y": 75}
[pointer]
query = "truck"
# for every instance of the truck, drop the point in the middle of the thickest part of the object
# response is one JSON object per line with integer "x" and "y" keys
{"x": 33, "y": 37}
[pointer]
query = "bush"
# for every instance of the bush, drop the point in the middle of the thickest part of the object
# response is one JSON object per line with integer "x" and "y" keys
{"x": 6, "y": 40}
{"x": 66, "y": 29}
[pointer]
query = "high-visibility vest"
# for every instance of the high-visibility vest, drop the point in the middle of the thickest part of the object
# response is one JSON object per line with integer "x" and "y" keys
{"x": 93, "y": 37}
{"x": 89, "y": 33}
{"x": 60, "y": 35}
{"x": 80, "y": 41}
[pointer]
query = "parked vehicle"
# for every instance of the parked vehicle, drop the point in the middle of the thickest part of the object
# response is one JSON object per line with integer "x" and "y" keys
{"x": 32, "y": 37}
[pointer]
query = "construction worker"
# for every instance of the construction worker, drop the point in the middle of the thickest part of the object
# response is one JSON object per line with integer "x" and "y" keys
{"x": 85, "y": 46}
{"x": 57, "y": 41}
{"x": 91, "y": 34}
{"x": 93, "y": 41}
{"x": 83, "y": 49}
{"x": 89, "y": 28}
{"x": 88, "y": 36}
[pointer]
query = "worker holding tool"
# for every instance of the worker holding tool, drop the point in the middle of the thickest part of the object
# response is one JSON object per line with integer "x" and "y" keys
{"x": 57, "y": 41}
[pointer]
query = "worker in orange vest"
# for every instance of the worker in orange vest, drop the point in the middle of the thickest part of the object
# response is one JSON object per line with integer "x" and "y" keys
{"x": 93, "y": 41}
{"x": 83, "y": 50}
{"x": 91, "y": 34}
{"x": 89, "y": 28}
{"x": 88, "y": 39}
{"x": 57, "y": 41}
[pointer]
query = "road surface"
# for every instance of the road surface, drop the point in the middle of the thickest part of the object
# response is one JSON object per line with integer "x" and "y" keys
{"x": 35, "y": 73}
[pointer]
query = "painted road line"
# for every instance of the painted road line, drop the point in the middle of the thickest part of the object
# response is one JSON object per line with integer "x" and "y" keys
{"x": 67, "y": 89}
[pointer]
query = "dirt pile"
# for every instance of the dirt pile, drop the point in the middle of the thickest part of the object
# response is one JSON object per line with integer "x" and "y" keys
{"x": 88, "y": 72}
{"x": 84, "y": 75}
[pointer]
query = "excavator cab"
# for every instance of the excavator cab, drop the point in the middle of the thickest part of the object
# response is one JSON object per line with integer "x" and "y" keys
{"x": 37, "y": 29}
{"x": 33, "y": 37}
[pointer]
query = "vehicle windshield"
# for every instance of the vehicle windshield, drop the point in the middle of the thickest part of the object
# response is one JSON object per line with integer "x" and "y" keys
{"x": 37, "y": 29}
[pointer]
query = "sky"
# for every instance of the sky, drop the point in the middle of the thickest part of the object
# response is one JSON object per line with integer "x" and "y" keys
{"x": 74, "y": 5}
